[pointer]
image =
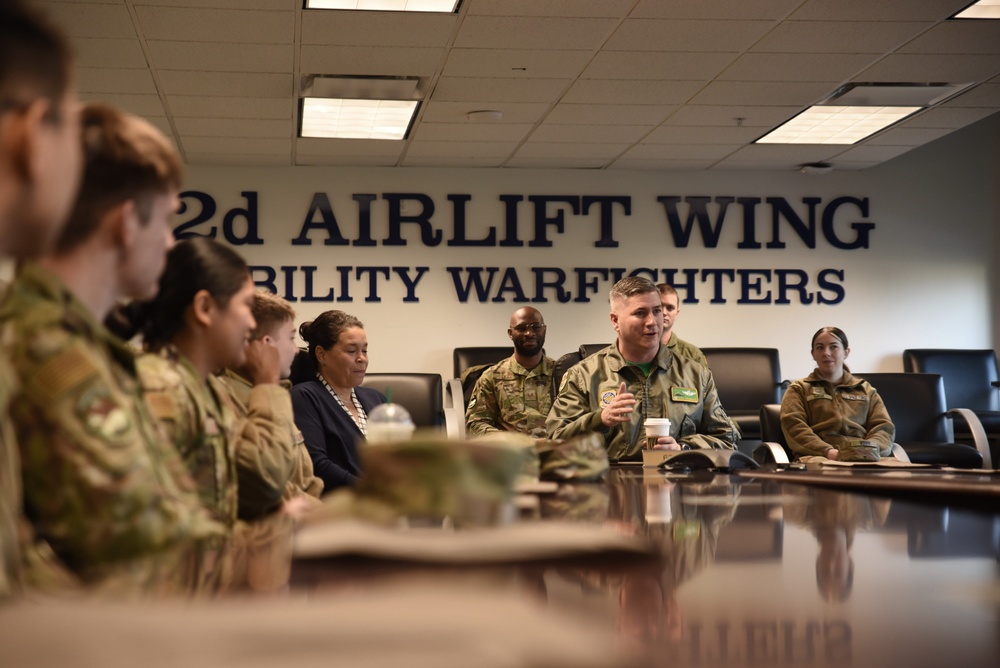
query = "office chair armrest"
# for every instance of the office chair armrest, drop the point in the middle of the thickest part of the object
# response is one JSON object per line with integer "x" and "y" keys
{"x": 995, "y": 383}
{"x": 899, "y": 453}
{"x": 769, "y": 452}
{"x": 454, "y": 409}
{"x": 978, "y": 433}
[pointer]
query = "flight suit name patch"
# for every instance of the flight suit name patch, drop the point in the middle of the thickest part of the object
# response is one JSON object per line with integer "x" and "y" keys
{"x": 686, "y": 395}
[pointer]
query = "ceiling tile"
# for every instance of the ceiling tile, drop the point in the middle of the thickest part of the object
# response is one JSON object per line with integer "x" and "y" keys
{"x": 717, "y": 9}
{"x": 232, "y": 84}
{"x": 108, "y": 80}
{"x": 525, "y": 112}
{"x": 456, "y": 149}
{"x": 606, "y": 134}
{"x": 392, "y": 29}
{"x": 216, "y": 25}
{"x": 595, "y": 91}
{"x": 838, "y": 36}
{"x": 949, "y": 117}
{"x": 564, "y": 8}
{"x": 472, "y": 89}
{"x": 680, "y": 134}
{"x": 680, "y": 151}
{"x": 92, "y": 19}
{"x": 608, "y": 114}
{"x": 683, "y": 35}
{"x": 657, "y": 65}
{"x": 241, "y": 159}
{"x": 224, "y": 57}
{"x": 556, "y": 163}
{"x": 199, "y": 106}
{"x": 370, "y": 61}
{"x": 349, "y": 147}
{"x": 228, "y": 127}
{"x": 868, "y": 152}
{"x": 983, "y": 95}
{"x": 932, "y": 68}
{"x": 346, "y": 160}
{"x": 958, "y": 37}
{"x": 883, "y": 10}
{"x": 117, "y": 53}
{"x": 795, "y": 154}
{"x": 832, "y": 67}
{"x": 907, "y": 136}
{"x": 515, "y": 63}
{"x": 539, "y": 149}
{"x": 697, "y": 115}
{"x": 533, "y": 33}
{"x": 260, "y": 145}
{"x": 661, "y": 165}
{"x": 429, "y": 161}
{"x": 470, "y": 131}
{"x": 770, "y": 93}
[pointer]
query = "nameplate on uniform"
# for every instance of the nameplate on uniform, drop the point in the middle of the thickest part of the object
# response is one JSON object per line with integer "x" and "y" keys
{"x": 687, "y": 395}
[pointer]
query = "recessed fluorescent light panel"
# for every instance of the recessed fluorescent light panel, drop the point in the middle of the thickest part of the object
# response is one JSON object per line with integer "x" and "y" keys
{"x": 446, "y": 6}
{"x": 356, "y": 119}
{"x": 984, "y": 9}
{"x": 836, "y": 125}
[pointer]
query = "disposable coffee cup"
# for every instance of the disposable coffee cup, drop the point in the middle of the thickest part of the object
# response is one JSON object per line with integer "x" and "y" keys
{"x": 655, "y": 428}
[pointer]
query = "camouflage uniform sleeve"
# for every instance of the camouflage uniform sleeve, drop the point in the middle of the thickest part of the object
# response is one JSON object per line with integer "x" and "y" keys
{"x": 571, "y": 413}
{"x": 717, "y": 429}
{"x": 799, "y": 434}
{"x": 879, "y": 426}
{"x": 263, "y": 442}
{"x": 481, "y": 415}
{"x": 93, "y": 485}
{"x": 169, "y": 402}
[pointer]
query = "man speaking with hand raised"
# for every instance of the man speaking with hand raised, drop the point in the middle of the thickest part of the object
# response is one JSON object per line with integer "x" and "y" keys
{"x": 614, "y": 390}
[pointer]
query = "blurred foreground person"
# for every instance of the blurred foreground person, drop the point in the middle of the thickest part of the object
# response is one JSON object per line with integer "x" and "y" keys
{"x": 39, "y": 175}
{"x": 270, "y": 420}
{"x": 198, "y": 324}
{"x": 101, "y": 483}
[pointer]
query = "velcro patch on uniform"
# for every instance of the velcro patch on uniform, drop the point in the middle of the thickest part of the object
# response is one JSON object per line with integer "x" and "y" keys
{"x": 64, "y": 372}
{"x": 686, "y": 395}
{"x": 102, "y": 416}
{"x": 853, "y": 397}
{"x": 818, "y": 393}
{"x": 608, "y": 397}
{"x": 161, "y": 405}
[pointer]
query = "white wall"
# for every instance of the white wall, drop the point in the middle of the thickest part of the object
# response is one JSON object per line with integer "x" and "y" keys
{"x": 926, "y": 281}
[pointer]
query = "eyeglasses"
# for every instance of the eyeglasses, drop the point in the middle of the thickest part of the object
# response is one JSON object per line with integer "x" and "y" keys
{"x": 534, "y": 327}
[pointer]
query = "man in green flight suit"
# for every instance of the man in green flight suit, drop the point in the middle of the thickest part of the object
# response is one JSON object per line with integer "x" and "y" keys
{"x": 101, "y": 483}
{"x": 39, "y": 176}
{"x": 614, "y": 390}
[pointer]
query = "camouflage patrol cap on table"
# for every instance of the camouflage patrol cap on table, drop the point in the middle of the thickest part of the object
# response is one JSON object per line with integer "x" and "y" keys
{"x": 429, "y": 478}
{"x": 858, "y": 451}
{"x": 581, "y": 458}
{"x": 530, "y": 468}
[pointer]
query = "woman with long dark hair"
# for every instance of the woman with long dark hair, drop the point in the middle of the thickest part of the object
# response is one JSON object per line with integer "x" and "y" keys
{"x": 199, "y": 323}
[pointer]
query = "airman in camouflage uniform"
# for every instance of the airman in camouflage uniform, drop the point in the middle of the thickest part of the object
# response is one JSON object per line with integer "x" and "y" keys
{"x": 515, "y": 394}
{"x": 39, "y": 117}
{"x": 670, "y": 301}
{"x": 614, "y": 390}
{"x": 203, "y": 425}
{"x": 252, "y": 403}
{"x": 101, "y": 484}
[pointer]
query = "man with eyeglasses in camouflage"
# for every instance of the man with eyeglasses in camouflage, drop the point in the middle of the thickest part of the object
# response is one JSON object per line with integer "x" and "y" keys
{"x": 515, "y": 394}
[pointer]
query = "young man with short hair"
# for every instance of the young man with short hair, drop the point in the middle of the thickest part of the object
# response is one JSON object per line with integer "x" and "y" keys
{"x": 275, "y": 333}
{"x": 670, "y": 302}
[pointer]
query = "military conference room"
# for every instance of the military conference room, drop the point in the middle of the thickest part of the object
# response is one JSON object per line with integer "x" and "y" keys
{"x": 347, "y": 333}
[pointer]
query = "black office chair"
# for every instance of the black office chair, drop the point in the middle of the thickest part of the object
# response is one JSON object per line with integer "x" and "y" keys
{"x": 971, "y": 381}
{"x": 562, "y": 365}
{"x": 469, "y": 363}
{"x": 588, "y": 349}
{"x": 419, "y": 393}
{"x": 746, "y": 378}
{"x": 471, "y": 356}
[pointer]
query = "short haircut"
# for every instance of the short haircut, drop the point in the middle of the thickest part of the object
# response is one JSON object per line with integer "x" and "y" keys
{"x": 667, "y": 289}
{"x": 631, "y": 286}
{"x": 125, "y": 158}
{"x": 270, "y": 311}
{"x": 35, "y": 60}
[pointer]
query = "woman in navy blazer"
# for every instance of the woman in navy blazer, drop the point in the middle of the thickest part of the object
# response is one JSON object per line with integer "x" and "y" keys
{"x": 331, "y": 409}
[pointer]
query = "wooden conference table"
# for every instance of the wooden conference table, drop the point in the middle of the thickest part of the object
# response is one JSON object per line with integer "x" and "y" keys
{"x": 759, "y": 570}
